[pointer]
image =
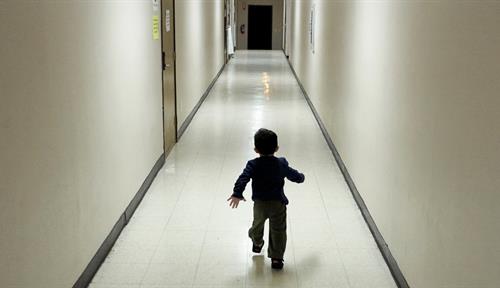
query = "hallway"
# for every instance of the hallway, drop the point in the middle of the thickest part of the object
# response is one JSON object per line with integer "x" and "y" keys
{"x": 184, "y": 234}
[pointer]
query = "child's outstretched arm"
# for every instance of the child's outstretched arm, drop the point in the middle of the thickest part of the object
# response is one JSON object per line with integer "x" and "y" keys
{"x": 240, "y": 185}
{"x": 295, "y": 176}
{"x": 292, "y": 174}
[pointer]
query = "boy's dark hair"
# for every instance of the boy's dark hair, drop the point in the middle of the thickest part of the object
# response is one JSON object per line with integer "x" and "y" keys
{"x": 266, "y": 141}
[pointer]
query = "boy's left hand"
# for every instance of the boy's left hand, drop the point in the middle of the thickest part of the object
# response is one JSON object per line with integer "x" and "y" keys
{"x": 234, "y": 201}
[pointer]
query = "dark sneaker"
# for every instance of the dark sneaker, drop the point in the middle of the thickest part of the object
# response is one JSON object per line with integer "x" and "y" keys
{"x": 257, "y": 249}
{"x": 277, "y": 263}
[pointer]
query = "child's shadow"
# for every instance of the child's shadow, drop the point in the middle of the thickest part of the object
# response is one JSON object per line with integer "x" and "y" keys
{"x": 258, "y": 264}
{"x": 309, "y": 261}
{"x": 261, "y": 274}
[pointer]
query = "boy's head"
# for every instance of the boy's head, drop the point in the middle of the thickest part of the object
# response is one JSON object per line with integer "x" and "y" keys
{"x": 266, "y": 142}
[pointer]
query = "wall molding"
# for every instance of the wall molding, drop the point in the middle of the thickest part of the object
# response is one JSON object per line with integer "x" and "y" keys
{"x": 190, "y": 117}
{"x": 396, "y": 272}
{"x": 103, "y": 251}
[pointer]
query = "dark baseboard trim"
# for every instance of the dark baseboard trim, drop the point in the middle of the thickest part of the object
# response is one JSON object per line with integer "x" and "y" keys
{"x": 190, "y": 117}
{"x": 103, "y": 251}
{"x": 132, "y": 206}
{"x": 379, "y": 239}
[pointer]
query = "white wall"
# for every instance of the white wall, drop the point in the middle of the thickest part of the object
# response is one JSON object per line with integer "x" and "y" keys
{"x": 409, "y": 92}
{"x": 288, "y": 28}
{"x": 199, "y": 40}
{"x": 80, "y": 129}
{"x": 242, "y": 19}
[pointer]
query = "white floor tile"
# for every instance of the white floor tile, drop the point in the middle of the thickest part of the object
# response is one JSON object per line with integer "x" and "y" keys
{"x": 176, "y": 255}
{"x": 261, "y": 274}
{"x": 223, "y": 254}
{"x": 169, "y": 274}
{"x": 361, "y": 257}
{"x": 188, "y": 238}
{"x": 129, "y": 255}
{"x": 323, "y": 276}
{"x": 120, "y": 274}
{"x": 221, "y": 275}
{"x": 317, "y": 256}
{"x": 96, "y": 285}
{"x": 370, "y": 276}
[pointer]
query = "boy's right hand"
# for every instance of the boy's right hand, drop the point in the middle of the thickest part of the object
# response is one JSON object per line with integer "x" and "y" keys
{"x": 234, "y": 201}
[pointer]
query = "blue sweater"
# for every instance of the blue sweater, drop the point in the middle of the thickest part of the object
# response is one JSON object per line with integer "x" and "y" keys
{"x": 268, "y": 175}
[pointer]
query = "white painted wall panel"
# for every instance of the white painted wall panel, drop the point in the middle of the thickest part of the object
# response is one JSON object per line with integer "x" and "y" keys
{"x": 409, "y": 93}
{"x": 80, "y": 126}
{"x": 199, "y": 40}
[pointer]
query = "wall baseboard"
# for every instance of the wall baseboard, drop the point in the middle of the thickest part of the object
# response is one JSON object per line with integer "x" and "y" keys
{"x": 190, "y": 117}
{"x": 103, "y": 251}
{"x": 132, "y": 206}
{"x": 396, "y": 272}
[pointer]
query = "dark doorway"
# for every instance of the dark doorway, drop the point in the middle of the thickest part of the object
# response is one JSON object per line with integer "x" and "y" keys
{"x": 260, "y": 27}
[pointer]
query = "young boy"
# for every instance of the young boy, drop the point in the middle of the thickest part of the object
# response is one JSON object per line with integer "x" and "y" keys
{"x": 267, "y": 173}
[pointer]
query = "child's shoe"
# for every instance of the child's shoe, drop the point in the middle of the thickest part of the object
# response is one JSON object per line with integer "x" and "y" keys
{"x": 257, "y": 249}
{"x": 277, "y": 263}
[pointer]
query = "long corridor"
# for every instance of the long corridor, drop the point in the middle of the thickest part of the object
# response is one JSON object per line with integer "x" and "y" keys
{"x": 184, "y": 234}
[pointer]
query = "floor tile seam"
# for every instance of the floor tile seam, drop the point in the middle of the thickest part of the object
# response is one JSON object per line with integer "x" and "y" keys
{"x": 207, "y": 100}
{"x": 297, "y": 282}
{"x": 200, "y": 254}
{"x": 226, "y": 142}
{"x": 344, "y": 268}
{"x": 211, "y": 96}
{"x": 330, "y": 222}
{"x": 163, "y": 231}
{"x": 189, "y": 170}
{"x": 317, "y": 183}
{"x": 294, "y": 255}
{"x": 246, "y": 262}
{"x": 204, "y": 240}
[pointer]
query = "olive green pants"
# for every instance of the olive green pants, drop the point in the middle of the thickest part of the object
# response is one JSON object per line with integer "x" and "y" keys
{"x": 275, "y": 211}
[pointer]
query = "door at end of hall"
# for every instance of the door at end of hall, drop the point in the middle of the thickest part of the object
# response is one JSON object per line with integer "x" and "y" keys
{"x": 260, "y": 27}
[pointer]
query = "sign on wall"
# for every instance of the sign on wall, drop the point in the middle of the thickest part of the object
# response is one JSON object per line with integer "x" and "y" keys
{"x": 167, "y": 20}
{"x": 156, "y": 5}
{"x": 312, "y": 24}
{"x": 156, "y": 27}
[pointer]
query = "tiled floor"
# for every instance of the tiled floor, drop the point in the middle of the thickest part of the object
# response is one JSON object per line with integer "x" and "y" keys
{"x": 185, "y": 235}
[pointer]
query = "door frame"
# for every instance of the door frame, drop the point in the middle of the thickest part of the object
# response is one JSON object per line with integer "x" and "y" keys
{"x": 164, "y": 67}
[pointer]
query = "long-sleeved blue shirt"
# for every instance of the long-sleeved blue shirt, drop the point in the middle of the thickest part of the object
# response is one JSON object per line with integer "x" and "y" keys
{"x": 268, "y": 175}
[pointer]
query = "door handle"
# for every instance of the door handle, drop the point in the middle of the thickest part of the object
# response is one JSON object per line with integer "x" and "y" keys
{"x": 164, "y": 63}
